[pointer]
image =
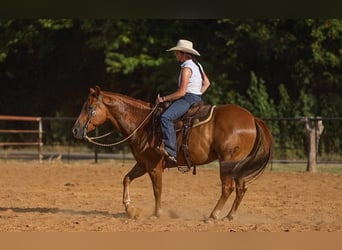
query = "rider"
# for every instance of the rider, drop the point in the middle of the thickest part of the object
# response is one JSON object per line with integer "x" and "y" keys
{"x": 192, "y": 83}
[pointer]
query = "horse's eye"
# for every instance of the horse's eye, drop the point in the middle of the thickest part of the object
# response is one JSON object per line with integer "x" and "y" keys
{"x": 93, "y": 113}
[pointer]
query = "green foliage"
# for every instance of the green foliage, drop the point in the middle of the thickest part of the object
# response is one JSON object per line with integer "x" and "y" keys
{"x": 117, "y": 62}
{"x": 285, "y": 106}
{"x": 55, "y": 24}
{"x": 258, "y": 100}
{"x": 58, "y": 130}
{"x": 305, "y": 103}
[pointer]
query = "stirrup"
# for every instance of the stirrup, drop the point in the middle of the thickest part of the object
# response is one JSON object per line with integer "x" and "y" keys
{"x": 169, "y": 163}
{"x": 161, "y": 150}
{"x": 171, "y": 158}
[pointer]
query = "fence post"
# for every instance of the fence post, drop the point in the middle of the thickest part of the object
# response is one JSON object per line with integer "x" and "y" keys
{"x": 40, "y": 140}
{"x": 313, "y": 133}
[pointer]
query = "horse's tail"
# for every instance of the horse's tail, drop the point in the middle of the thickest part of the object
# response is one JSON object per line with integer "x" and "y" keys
{"x": 255, "y": 163}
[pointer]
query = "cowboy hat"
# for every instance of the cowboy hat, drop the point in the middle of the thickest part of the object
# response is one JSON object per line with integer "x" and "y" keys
{"x": 185, "y": 46}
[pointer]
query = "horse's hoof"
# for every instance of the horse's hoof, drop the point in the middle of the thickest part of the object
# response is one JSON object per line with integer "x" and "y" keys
{"x": 154, "y": 217}
{"x": 209, "y": 220}
{"x": 228, "y": 218}
{"x": 133, "y": 212}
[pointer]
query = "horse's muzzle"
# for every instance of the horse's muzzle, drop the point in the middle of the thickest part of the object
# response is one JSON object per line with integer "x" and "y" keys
{"x": 78, "y": 133}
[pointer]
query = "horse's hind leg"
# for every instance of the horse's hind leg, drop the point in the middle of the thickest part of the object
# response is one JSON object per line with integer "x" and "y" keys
{"x": 228, "y": 186}
{"x": 240, "y": 192}
{"x": 137, "y": 171}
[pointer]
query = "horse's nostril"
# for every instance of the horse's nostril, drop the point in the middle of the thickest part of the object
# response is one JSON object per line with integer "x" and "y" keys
{"x": 74, "y": 131}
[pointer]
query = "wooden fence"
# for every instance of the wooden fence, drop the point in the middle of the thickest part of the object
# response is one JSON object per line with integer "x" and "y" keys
{"x": 39, "y": 131}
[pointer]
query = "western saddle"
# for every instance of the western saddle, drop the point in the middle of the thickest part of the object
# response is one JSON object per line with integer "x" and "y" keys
{"x": 197, "y": 115}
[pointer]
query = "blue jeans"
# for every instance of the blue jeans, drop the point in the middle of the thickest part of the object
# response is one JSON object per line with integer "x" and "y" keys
{"x": 173, "y": 112}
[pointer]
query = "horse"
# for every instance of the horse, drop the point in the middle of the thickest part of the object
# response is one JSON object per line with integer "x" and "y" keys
{"x": 241, "y": 142}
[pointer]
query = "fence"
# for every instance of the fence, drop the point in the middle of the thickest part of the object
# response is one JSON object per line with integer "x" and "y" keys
{"x": 39, "y": 141}
{"x": 291, "y": 140}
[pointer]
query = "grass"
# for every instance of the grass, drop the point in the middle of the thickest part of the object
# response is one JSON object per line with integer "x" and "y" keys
{"x": 301, "y": 167}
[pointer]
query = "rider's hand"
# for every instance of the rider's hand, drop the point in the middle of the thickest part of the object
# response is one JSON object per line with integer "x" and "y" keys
{"x": 159, "y": 99}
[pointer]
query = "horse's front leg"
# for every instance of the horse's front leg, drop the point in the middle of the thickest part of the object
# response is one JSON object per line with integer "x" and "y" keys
{"x": 156, "y": 177}
{"x": 137, "y": 171}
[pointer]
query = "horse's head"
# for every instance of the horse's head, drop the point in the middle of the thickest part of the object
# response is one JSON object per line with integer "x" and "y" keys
{"x": 93, "y": 114}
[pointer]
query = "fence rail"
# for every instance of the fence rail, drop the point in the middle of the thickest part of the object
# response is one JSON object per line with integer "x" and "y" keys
{"x": 39, "y": 131}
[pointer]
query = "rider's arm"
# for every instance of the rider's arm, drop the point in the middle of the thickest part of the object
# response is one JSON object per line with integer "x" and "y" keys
{"x": 185, "y": 76}
{"x": 205, "y": 83}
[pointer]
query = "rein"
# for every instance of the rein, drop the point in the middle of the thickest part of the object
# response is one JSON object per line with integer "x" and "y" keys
{"x": 91, "y": 139}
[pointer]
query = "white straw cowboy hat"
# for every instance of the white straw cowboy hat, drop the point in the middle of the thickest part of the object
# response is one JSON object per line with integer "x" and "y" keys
{"x": 185, "y": 46}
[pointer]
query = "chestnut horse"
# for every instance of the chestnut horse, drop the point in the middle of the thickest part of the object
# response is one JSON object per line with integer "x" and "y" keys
{"x": 241, "y": 143}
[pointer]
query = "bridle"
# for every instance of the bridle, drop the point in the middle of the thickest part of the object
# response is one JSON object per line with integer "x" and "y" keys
{"x": 92, "y": 113}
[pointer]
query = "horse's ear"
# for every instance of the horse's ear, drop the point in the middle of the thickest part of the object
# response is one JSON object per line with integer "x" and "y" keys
{"x": 97, "y": 90}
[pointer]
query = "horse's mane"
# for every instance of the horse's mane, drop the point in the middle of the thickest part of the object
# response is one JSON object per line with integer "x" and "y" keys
{"x": 142, "y": 104}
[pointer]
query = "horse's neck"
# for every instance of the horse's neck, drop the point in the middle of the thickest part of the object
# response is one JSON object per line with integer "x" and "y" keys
{"x": 127, "y": 113}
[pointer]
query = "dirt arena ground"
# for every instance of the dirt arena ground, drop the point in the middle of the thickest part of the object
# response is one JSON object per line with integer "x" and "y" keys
{"x": 86, "y": 197}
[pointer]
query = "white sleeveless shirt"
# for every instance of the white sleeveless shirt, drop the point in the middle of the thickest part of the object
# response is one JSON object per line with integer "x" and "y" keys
{"x": 195, "y": 81}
